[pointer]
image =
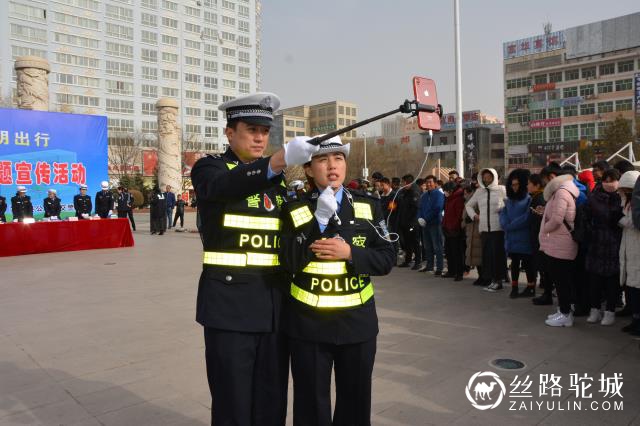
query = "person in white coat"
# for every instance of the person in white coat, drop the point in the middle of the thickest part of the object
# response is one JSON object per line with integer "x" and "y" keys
{"x": 489, "y": 199}
{"x": 630, "y": 252}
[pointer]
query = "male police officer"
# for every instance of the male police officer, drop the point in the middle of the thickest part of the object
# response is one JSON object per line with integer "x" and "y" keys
{"x": 104, "y": 201}
{"x": 82, "y": 203}
{"x": 3, "y": 209}
{"x": 21, "y": 206}
{"x": 239, "y": 197}
{"x": 51, "y": 204}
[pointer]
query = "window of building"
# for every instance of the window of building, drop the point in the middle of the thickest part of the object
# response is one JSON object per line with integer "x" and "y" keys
{"x": 604, "y": 107}
{"x": 538, "y": 114}
{"x": 244, "y": 41}
{"x": 210, "y": 49}
{"x": 169, "y": 40}
{"x": 243, "y": 26}
{"x": 119, "y": 31}
{"x": 119, "y": 125}
{"x": 192, "y": 78}
{"x": 149, "y": 73}
{"x": 170, "y": 5}
{"x": 517, "y": 83}
{"x": 555, "y": 77}
{"x": 228, "y": 5}
{"x": 120, "y": 50}
{"x": 149, "y": 91}
{"x": 210, "y": 115}
{"x": 78, "y": 21}
{"x": 211, "y": 98}
{"x": 227, "y": 36}
{"x": 538, "y": 135}
{"x": 169, "y": 74}
{"x": 148, "y": 108}
{"x": 170, "y": 92}
{"x": 625, "y": 66}
{"x": 27, "y": 12}
{"x": 192, "y": 28}
{"x": 588, "y": 72}
{"x": 554, "y": 113}
{"x": 149, "y": 126}
{"x": 605, "y": 87}
{"x": 227, "y": 20}
{"x": 555, "y": 135}
{"x": 79, "y": 100}
{"x": 192, "y": 94}
{"x": 119, "y": 13}
{"x": 228, "y": 84}
{"x": 624, "y": 105}
{"x": 149, "y": 4}
{"x": 517, "y": 118}
{"x": 81, "y": 61}
{"x": 119, "y": 87}
{"x": 244, "y": 87}
{"x": 190, "y": 60}
{"x": 192, "y": 11}
{"x": 570, "y": 110}
{"x": 289, "y": 123}
{"x": 192, "y": 44}
{"x": 149, "y": 55}
{"x": 120, "y": 106}
{"x": 227, "y": 98}
{"x": 119, "y": 68}
{"x": 211, "y": 82}
{"x": 588, "y": 131}
{"x": 193, "y": 129}
{"x": 587, "y": 90}
{"x": 570, "y": 92}
{"x": 243, "y": 11}
{"x": 170, "y": 57}
{"x": 290, "y": 134}
{"x": 626, "y": 84}
{"x": 210, "y": 18}
{"x": 606, "y": 69}
{"x": 169, "y": 22}
{"x": 540, "y": 79}
{"x": 572, "y": 74}
{"x": 30, "y": 51}
{"x": 210, "y": 132}
{"x": 77, "y": 80}
{"x": 587, "y": 109}
{"x": 300, "y": 124}
{"x": 571, "y": 133}
{"x": 193, "y": 112}
{"x": 148, "y": 20}
{"x": 210, "y": 66}
{"x": 519, "y": 138}
{"x": 228, "y": 68}
{"x": 244, "y": 56}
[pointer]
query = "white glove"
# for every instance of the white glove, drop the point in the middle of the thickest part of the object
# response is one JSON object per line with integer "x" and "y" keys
{"x": 297, "y": 151}
{"x": 326, "y": 207}
{"x": 85, "y": 215}
{"x": 110, "y": 213}
{"x": 422, "y": 222}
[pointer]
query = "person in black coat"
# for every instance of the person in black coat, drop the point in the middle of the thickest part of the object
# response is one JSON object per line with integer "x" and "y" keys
{"x": 180, "y": 204}
{"x": 51, "y": 204}
{"x": 82, "y": 204}
{"x": 158, "y": 211}
{"x": 125, "y": 205}
{"x": 21, "y": 206}
{"x": 332, "y": 242}
{"x": 408, "y": 203}
{"x": 3, "y": 209}
{"x": 536, "y": 209}
{"x": 104, "y": 201}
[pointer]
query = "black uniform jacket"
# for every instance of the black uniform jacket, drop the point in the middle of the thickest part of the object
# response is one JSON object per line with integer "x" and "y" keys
{"x": 238, "y": 298}
{"x": 21, "y": 207}
{"x": 377, "y": 257}
{"x": 52, "y": 207}
{"x": 3, "y": 208}
{"x": 82, "y": 204}
{"x": 104, "y": 202}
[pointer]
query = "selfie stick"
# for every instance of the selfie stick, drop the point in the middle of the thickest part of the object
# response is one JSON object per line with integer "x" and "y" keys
{"x": 408, "y": 107}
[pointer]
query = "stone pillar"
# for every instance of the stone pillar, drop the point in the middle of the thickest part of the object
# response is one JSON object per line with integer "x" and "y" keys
{"x": 169, "y": 155}
{"x": 33, "y": 83}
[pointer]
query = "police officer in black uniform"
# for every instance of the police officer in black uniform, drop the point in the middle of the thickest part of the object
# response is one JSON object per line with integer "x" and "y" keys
{"x": 104, "y": 201}
{"x": 21, "y": 206}
{"x": 82, "y": 203}
{"x": 125, "y": 205}
{"x": 51, "y": 204}
{"x": 3, "y": 209}
{"x": 239, "y": 300}
{"x": 332, "y": 243}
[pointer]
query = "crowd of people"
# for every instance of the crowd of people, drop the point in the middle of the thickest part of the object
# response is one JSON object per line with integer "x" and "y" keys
{"x": 574, "y": 235}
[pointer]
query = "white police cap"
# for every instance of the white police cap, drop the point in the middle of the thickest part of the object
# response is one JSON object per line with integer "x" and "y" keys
{"x": 22, "y": 189}
{"x": 83, "y": 186}
{"x": 257, "y": 108}
{"x": 104, "y": 184}
{"x": 52, "y": 190}
{"x": 333, "y": 145}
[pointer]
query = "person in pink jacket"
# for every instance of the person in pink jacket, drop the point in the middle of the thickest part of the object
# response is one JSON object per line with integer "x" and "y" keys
{"x": 557, "y": 244}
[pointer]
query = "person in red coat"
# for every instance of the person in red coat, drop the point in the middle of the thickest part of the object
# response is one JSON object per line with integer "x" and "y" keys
{"x": 454, "y": 238}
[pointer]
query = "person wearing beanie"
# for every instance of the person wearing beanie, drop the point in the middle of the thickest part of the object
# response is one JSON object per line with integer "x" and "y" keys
{"x": 630, "y": 252}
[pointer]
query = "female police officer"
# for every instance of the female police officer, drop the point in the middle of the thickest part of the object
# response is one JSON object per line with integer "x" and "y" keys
{"x": 333, "y": 240}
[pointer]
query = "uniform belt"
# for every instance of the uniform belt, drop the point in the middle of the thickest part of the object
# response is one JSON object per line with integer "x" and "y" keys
{"x": 240, "y": 259}
{"x": 331, "y": 301}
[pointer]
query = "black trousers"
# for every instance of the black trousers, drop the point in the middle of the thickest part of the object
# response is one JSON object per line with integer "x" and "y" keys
{"x": 634, "y": 301}
{"x": 494, "y": 258}
{"x": 179, "y": 214}
{"x": 559, "y": 274}
{"x": 454, "y": 249}
{"x": 127, "y": 213}
{"x": 411, "y": 241}
{"x": 517, "y": 260}
{"x": 248, "y": 375}
{"x": 311, "y": 365}
{"x": 580, "y": 282}
{"x": 607, "y": 286}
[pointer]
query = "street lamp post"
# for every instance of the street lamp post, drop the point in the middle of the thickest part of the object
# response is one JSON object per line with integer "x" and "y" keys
{"x": 459, "y": 139}
{"x": 365, "y": 170}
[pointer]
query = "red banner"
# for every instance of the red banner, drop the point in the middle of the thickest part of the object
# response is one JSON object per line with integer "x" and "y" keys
{"x": 543, "y": 86}
{"x": 149, "y": 162}
{"x": 548, "y": 122}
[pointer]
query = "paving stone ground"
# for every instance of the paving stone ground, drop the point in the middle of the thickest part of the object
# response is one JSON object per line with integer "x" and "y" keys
{"x": 108, "y": 337}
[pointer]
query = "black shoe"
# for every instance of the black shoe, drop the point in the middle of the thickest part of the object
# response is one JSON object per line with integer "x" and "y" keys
{"x": 624, "y": 312}
{"x": 438, "y": 273}
{"x": 631, "y": 326}
{"x": 161, "y": 233}
{"x": 528, "y": 292}
{"x": 514, "y": 292}
{"x": 480, "y": 282}
{"x": 404, "y": 265}
{"x": 448, "y": 275}
{"x": 545, "y": 299}
{"x": 458, "y": 278}
{"x": 415, "y": 267}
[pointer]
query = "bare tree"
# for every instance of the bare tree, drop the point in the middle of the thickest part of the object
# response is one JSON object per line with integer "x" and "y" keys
{"x": 125, "y": 152}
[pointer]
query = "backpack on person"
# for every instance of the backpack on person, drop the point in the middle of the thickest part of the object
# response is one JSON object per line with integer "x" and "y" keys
{"x": 579, "y": 233}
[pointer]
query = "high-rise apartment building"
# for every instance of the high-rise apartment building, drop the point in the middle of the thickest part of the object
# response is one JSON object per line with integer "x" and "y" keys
{"x": 564, "y": 87}
{"x": 118, "y": 57}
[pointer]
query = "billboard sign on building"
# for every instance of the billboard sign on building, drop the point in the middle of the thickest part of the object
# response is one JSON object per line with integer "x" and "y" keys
{"x": 470, "y": 151}
{"x": 547, "y": 122}
{"x": 536, "y": 44}
{"x": 553, "y": 147}
{"x": 49, "y": 150}
{"x": 637, "y": 92}
{"x": 469, "y": 119}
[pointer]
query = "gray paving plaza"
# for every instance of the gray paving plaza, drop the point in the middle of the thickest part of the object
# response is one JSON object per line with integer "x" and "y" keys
{"x": 108, "y": 337}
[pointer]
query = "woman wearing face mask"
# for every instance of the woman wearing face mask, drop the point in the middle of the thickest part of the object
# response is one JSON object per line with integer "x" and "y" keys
{"x": 333, "y": 240}
{"x": 602, "y": 212}
{"x": 630, "y": 252}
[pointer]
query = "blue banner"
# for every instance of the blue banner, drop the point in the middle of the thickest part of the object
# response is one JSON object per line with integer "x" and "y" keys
{"x": 50, "y": 150}
{"x": 637, "y": 92}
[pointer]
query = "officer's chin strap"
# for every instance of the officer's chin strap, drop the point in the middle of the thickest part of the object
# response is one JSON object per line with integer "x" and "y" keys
{"x": 391, "y": 237}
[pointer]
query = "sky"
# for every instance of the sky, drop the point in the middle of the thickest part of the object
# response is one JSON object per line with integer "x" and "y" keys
{"x": 367, "y": 51}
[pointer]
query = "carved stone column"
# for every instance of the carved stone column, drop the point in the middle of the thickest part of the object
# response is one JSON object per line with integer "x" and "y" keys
{"x": 33, "y": 83}
{"x": 169, "y": 155}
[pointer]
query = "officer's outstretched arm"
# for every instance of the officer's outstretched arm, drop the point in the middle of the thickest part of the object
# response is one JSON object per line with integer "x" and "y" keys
{"x": 213, "y": 180}
{"x": 379, "y": 256}
{"x": 294, "y": 252}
